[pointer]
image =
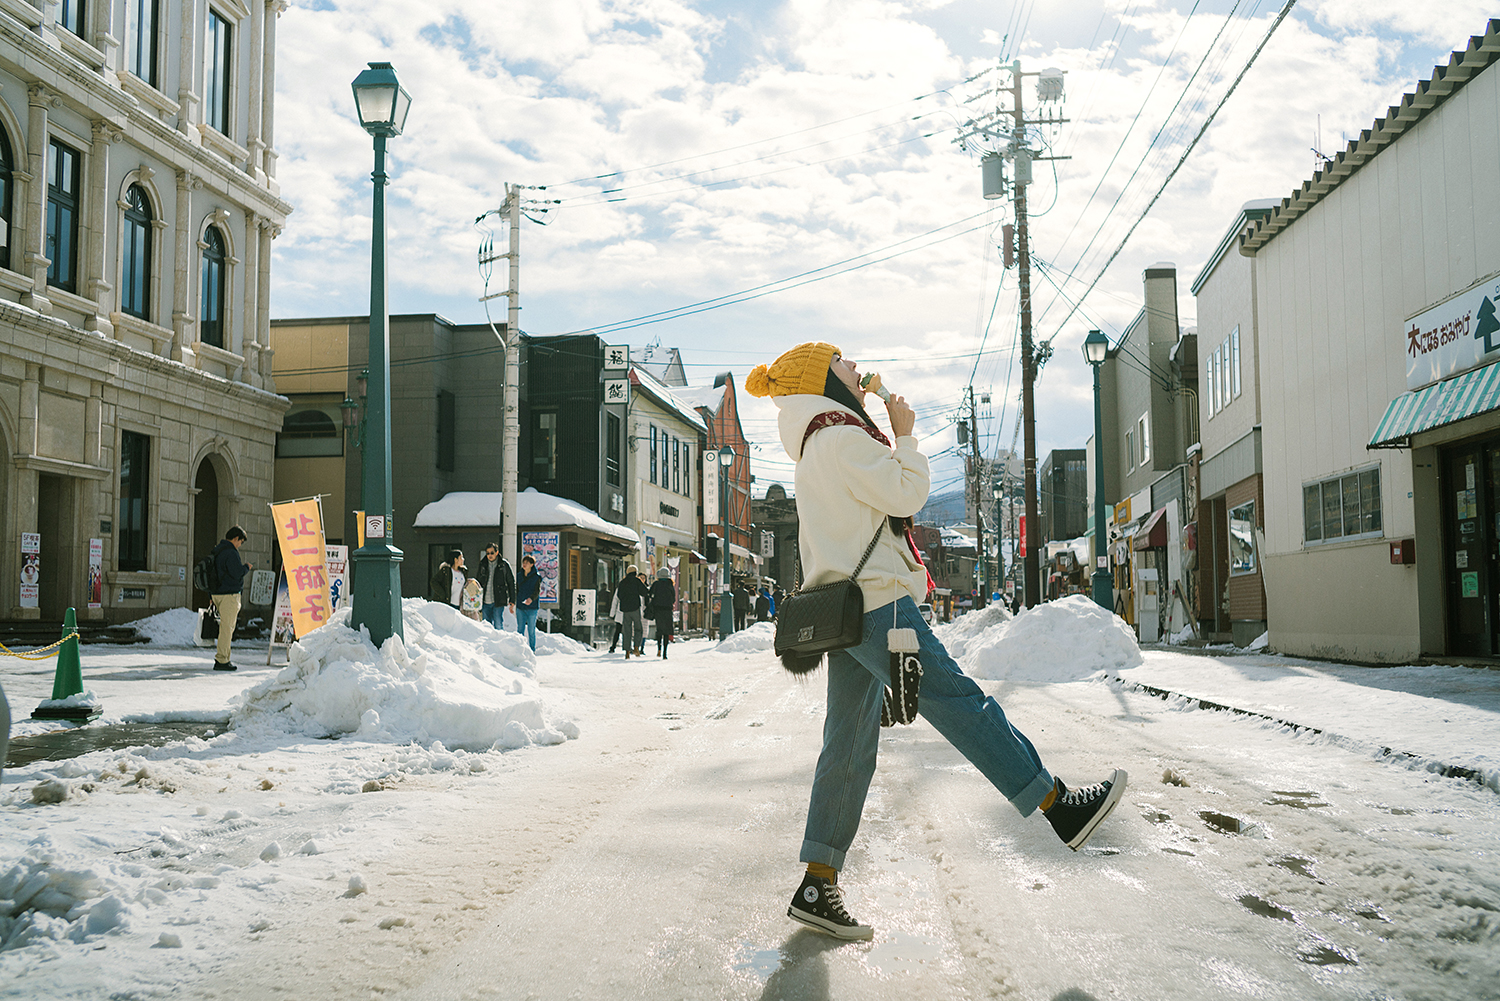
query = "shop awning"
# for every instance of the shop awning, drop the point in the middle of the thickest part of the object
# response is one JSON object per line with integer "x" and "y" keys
{"x": 1434, "y": 406}
{"x": 1153, "y": 534}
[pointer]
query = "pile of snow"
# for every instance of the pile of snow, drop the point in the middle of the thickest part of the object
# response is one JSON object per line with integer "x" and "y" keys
{"x": 958, "y": 634}
{"x": 44, "y": 898}
{"x": 549, "y": 643}
{"x": 453, "y": 680}
{"x": 757, "y": 638}
{"x": 174, "y": 627}
{"x": 1058, "y": 641}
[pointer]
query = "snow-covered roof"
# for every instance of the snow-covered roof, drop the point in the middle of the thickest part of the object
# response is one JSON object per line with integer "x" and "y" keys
{"x": 709, "y": 396}
{"x": 481, "y": 509}
{"x": 667, "y": 396}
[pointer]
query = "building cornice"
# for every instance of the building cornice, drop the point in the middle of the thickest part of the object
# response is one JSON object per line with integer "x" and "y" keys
{"x": 1429, "y": 94}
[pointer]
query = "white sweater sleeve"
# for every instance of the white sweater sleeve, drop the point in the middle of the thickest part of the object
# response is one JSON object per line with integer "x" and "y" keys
{"x": 894, "y": 483}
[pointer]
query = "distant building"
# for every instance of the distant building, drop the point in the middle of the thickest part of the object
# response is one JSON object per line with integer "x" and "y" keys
{"x": 1063, "y": 495}
{"x": 776, "y": 513}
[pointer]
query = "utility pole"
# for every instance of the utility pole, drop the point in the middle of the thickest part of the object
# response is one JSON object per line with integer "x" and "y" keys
{"x": 510, "y": 209}
{"x": 1017, "y": 150}
{"x": 976, "y": 484}
{"x": 1033, "y": 564}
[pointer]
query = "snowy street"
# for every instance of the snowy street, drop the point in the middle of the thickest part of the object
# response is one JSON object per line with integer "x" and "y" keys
{"x": 653, "y": 856}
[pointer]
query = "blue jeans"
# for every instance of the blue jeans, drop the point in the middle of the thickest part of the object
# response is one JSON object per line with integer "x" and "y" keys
{"x": 493, "y": 614}
{"x": 972, "y": 722}
{"x": 526, "y": 623}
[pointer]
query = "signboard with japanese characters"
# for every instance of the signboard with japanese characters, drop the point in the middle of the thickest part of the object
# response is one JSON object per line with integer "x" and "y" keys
{"x": 31, "y": 569}
{"x": 299, "y": 528}
{"x": 616, "y": 390}
{"x": 338, "y": 577}
{"x": 583, "y": 606}
{"x": 96, "y": 573}
{"x": 1460, "y": 333}
{"x": 543, "y": 547}
{"x": 617, "y": 356}
{"x": 710, "y": 488}
{"x": 767, "y": 544}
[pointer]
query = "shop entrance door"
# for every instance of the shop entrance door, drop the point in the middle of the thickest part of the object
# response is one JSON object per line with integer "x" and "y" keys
{"x": 1471, "y": 533}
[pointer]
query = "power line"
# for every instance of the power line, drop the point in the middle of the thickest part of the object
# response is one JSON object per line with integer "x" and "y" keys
{"x": 1285, "y": 10}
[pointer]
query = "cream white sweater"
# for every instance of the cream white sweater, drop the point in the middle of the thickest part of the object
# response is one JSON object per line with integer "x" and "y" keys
{"x": 847, "y": 483}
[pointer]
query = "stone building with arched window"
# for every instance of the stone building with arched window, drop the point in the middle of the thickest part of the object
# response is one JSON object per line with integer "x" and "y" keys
{"x": 138, "y": 201}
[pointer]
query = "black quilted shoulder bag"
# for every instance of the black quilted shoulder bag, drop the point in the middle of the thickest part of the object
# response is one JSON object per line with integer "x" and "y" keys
{"x": 813, "y": 621}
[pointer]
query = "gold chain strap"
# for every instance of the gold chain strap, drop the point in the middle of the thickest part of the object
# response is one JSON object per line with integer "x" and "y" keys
{"x": 41, "y": 654}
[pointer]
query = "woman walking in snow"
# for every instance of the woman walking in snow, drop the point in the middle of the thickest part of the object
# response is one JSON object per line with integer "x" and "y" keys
{"x": 663, "y": 601}
{"x": 854, "y": 484}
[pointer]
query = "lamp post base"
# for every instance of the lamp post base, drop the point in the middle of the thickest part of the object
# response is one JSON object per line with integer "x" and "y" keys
{"x": 1104, "y": 589}
{"x": 377, "y": 591}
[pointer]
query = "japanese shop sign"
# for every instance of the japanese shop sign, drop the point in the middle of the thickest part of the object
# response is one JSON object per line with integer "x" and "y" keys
{"x": 96, "y": 573}
{"x": 616, "y": 390}
{"x": 617, "y": 356}
{"x": 31, "y": 569}
{"x": 543, "y": 547}
{"x": 1460, "y": 333}
{"x": 299, "y": 527}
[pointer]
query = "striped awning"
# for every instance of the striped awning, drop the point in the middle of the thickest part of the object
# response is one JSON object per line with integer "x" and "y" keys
{"x": 1442, "y": 403}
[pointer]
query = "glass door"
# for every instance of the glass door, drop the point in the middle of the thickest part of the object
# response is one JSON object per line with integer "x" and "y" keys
{"x": 1468, "y": 550}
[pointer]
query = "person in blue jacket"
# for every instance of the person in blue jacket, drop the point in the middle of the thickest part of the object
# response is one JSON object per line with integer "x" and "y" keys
{"x": 528, "y": 599}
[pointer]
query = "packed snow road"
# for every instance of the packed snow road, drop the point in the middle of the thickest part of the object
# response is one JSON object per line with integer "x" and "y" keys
{"x": 654, "y": 855}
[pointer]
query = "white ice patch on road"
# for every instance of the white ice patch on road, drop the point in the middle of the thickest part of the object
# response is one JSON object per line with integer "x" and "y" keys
{"x": 452, "y": 679}
{"x": 1068, "y": 640}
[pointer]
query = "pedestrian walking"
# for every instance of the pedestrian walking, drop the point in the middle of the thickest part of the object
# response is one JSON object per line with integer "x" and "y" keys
{"x": 762, "y": 606}
{"x": 854, "y": 486}
{"x": 741, "y": 606}
{"x": 448, "y": 580}
{"x": 497, "y": 582}
{"x": 616, "y": 618}
{"x": 229, "y": 581}
{"x": 663, "y": 604}
{"x": 632, "y": 594}
{"x": 528, "y": 599}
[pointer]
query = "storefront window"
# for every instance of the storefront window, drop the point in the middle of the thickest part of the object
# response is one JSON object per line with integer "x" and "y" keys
{"x": 1344, "y": 507}
{"x": 1242, "y": 538}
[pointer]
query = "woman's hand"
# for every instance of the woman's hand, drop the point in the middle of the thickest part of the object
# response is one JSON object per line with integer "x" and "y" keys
{"x": 903, "y": 418}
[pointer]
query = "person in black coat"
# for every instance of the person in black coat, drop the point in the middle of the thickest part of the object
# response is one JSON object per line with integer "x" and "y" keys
{"x": 741, "y": 606}
{"x": 632, "y": 594}
{"x": 663, "y": 602}
{"x": 448, "y": 582}
{"x": 497, "y": 586}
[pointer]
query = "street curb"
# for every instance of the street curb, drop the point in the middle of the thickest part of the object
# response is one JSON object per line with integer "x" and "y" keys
{"x": 1404, "y": 758}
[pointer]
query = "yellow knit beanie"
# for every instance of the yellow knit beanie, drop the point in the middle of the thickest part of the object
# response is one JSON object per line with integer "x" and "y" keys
{"x": 803, "y": 369}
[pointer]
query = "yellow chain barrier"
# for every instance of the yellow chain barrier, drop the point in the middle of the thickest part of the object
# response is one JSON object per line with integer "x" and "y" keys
{"x": 41, "y": 654}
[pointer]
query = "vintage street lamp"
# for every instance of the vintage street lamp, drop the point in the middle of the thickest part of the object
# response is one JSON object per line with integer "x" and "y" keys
{"x": 1095, "y": 350}
{"x": 382, "y": 105}
{"x": 726, "y": 600}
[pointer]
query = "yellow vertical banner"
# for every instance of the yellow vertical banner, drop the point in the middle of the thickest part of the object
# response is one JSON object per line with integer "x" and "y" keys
{"x": 299, "y": 527}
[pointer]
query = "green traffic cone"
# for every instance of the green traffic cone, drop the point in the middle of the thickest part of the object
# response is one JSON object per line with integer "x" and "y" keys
{"x": 69, "y": 678}
{"x": 68, "y": 681}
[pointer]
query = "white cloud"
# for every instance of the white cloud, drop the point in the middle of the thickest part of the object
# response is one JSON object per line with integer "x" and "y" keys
{"x": 547, "y": 93}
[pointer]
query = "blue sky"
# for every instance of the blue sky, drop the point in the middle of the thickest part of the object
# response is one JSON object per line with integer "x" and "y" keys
{"x": 754, "y": 141}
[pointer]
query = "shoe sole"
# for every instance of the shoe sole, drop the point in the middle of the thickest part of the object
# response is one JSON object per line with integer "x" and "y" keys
{"x": 859, "y": 933}
{"x": 1116, "y": 791}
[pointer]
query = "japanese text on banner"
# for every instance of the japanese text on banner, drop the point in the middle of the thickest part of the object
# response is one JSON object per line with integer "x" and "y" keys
{"x": 299, "y": 527}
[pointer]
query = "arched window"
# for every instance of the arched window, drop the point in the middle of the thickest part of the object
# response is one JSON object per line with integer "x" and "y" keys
{"x": 211, "y": 305}
{"x": 135, "y": 259}
{"x": 309, "y": 432}
{"x": 7, "y": 183}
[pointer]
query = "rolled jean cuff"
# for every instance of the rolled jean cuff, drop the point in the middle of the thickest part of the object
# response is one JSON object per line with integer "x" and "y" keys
{"x": 812, "y": 851}
{"x": 1028, "y": 799}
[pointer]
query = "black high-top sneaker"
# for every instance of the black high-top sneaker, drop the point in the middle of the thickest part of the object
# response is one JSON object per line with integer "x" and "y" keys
{"x": 819, "y": 904}
{"x": 1076, "y": 813}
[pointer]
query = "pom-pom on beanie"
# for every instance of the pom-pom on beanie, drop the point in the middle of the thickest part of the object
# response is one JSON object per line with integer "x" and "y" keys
{"x": 803, "y": 369}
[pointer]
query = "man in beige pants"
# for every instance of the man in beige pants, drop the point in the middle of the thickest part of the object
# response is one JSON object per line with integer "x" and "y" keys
{"x": 229, "y": 580}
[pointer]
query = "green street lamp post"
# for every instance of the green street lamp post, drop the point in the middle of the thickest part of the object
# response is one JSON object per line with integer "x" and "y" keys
{"x": 1095, "y": 350}
{"x": 382, "y": 104}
